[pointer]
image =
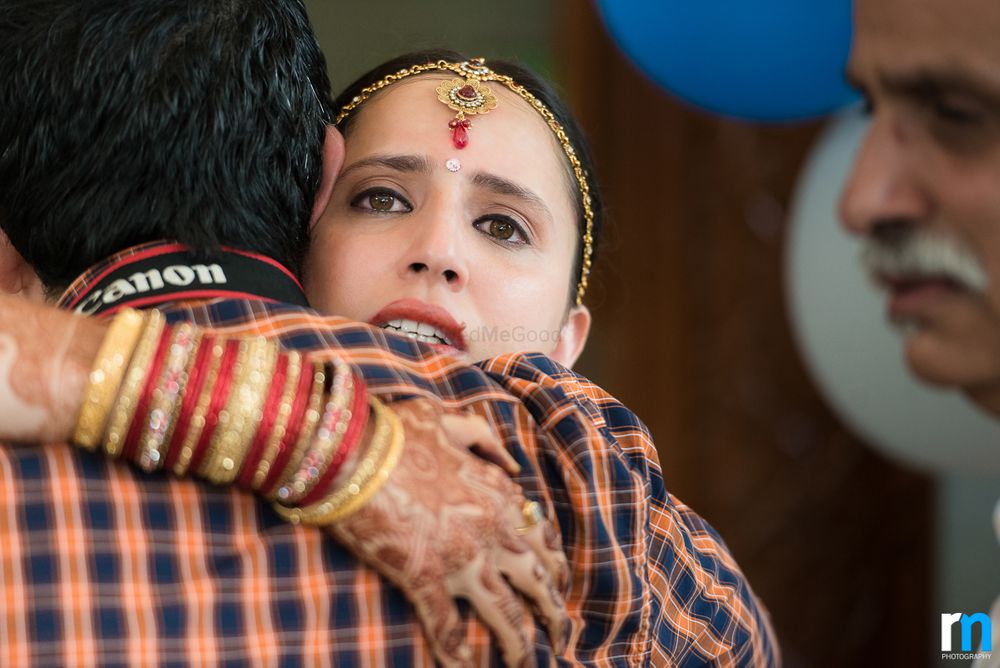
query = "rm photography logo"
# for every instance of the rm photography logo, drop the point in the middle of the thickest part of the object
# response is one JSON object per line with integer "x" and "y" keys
{"x": 966, "y": 623}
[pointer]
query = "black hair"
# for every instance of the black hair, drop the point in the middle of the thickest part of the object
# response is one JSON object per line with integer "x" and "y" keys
{"x": 126, "y": 121}
{"x": 537, "y": 87}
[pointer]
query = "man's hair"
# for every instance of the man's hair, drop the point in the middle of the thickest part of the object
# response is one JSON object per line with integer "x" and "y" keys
{"x": 126, "y": 121}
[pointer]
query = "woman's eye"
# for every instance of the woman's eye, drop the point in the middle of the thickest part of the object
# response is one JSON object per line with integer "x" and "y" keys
{"x": 503, "y": 230}
{"x": 381, "y": 200}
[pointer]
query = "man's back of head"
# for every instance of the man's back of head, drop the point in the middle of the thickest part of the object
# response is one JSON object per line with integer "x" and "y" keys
{"x": 125, "y": 121}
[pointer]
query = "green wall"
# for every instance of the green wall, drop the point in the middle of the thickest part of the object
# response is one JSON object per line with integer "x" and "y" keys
{"x": 356, "y": 36}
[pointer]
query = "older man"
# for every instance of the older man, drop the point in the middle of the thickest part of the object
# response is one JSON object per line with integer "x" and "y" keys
{"x": 925, "y": 189}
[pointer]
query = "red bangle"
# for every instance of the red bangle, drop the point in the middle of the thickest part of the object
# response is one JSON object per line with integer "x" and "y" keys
{"x": 291, "y": 434}
{"x": 196, "y": 381}
{"x": 219, "y": 395}
{"x": 142, "y": 405}
{"x": 269, "y": 415}
{"x": 351, "y": 439}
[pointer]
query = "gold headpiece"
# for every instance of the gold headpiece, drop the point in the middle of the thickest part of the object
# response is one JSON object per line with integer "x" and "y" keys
{"x": 469, "y": 96}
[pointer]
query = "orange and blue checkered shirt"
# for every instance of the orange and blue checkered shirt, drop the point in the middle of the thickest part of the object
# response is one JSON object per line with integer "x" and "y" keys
{"x": 102, "y": 564}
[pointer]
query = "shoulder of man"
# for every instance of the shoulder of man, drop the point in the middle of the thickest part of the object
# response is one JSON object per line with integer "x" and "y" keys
{"x": 702, "y": 607}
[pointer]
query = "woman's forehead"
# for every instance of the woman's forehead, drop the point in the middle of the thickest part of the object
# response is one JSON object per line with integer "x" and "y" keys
{"x": 410, "y": 112}
{"x": 511, "y": 141}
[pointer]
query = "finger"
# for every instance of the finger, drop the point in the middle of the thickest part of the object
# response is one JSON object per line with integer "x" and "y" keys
{"x": 544, "y": 541}
{"x": 542, "y": 537}
{"x": 529, "y": 575}
{"x": 501, "y": 610}
{"x": 442, "y": 625}
{"x": 472, "y": 431}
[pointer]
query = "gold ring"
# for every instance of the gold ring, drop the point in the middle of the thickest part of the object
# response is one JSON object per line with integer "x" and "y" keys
{"x": 531, "y": 513}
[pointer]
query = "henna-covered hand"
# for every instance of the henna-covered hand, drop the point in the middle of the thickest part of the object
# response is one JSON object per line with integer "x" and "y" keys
{"x": 446, "y": 525}
{"x": 45, "y": 357}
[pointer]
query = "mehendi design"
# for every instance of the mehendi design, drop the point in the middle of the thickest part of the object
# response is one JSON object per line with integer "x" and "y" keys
{"x": 41, "y": 379}
{"x": 431, "y": 528}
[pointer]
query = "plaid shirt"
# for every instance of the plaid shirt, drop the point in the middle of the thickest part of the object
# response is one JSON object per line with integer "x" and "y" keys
{"x": 102, "y": 564}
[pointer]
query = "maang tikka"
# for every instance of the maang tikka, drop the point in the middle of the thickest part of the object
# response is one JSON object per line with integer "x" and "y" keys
{"x": 466, "y": 96}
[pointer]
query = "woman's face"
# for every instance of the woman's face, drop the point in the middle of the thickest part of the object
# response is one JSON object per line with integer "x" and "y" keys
{"x": 477, "y": 258}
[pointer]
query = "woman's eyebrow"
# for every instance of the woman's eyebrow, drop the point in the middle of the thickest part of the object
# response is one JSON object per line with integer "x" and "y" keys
{"x": 398, "y": 163}
{"x": 502, "y": 186}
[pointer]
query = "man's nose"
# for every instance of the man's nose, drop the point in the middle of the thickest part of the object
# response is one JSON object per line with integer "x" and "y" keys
{"x": 883, "y": 190}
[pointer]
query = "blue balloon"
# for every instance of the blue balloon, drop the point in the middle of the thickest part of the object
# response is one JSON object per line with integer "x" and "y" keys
{"x": 762, "y": 60}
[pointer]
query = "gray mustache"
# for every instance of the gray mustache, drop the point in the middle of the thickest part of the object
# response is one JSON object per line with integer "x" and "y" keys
{"x": 922, "y": 255}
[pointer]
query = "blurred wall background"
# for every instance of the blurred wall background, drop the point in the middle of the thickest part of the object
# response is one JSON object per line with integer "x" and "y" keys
{"x": 854, "y": 555}
{"x": 356, "y": 36}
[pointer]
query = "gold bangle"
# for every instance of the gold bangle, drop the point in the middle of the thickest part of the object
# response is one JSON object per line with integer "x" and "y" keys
{"x": 281, "y": 422}
{"x": 240, "y": 367}
{"x": 166, "y": 396}
{"x": 309, "y": 422}
{"x": 128, "y": 396}
{"x": 239, "y": 419}
{"x": 197, "y": 423}
{"x": 368, "y": 478}
{"x": 106, "y": 377}
{"x": 333, "y": 424}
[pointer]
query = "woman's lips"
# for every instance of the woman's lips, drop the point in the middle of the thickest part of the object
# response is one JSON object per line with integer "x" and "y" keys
{"x": 404, "y": 315}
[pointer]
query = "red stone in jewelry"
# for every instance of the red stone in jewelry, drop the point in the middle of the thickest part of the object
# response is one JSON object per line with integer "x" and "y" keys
{"x": 460, "y": 132}
{"x": 467, "y": 97}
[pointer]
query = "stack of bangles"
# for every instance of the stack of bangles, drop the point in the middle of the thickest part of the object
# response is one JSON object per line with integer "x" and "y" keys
{"x": 238, "y": 410}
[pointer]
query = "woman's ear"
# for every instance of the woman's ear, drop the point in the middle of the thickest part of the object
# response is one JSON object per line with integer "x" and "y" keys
{"x": 333, "y": 160}
{"x": 572, "y": 336}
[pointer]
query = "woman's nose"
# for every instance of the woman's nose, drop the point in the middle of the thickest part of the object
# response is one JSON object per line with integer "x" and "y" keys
{"x": 435, "y": 252}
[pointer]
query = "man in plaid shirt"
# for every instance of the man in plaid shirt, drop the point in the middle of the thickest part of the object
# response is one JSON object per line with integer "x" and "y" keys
{"x": 101, "y": 564}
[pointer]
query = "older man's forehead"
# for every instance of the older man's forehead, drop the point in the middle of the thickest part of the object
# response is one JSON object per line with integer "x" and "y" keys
{"x": 905, "y": 37}
{"x": 931, "y": 25}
